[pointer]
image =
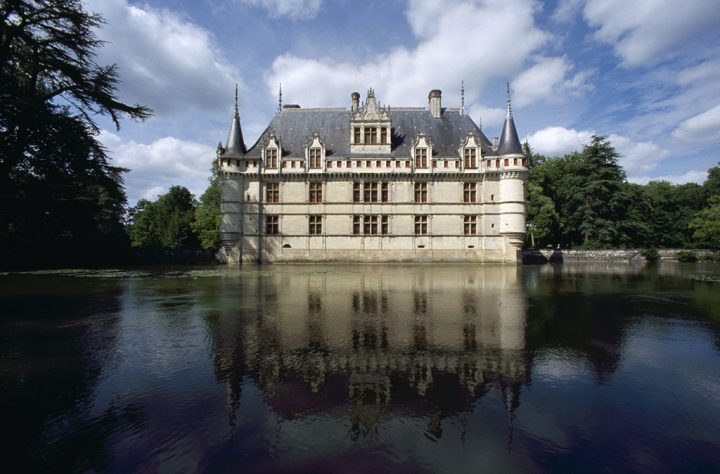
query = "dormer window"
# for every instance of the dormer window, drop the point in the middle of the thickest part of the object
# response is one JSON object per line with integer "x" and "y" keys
{"x": 314, "y": 157}
{"x": 384, "y": 135}
{"x": 470, "y": 158}
{"x": 421, "y": 155}
{"x": 370, "y": 127}
{"x": 356, "y": 134}
{"x": 271, "y": 158}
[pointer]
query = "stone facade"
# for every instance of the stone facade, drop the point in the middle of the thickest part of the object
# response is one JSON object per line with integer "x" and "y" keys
{"x": 373, "y": 184}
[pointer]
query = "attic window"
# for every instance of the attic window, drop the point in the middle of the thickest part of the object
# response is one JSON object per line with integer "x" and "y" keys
{"x": 371, "y": 135}
{"x": 470, "y": 158}
{"x": 271, "y": 158}
{"x": 421, "y": 158}
{"x": 314, "y": 154}
{"x": 383, "y": 135}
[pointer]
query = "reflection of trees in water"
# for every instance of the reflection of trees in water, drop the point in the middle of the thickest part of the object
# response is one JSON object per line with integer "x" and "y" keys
{"x": 54, "y": 344}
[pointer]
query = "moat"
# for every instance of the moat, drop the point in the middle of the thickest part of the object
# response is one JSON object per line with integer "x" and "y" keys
{"x": 362, "y": 368}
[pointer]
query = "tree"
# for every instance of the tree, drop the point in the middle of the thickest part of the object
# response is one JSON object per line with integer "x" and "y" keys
{"x": 207, "y": 215}
{"x": 59, "y": 195}
{"x": 166, "y": 223}
{"x": 712, "y": 183}
{"x": 706, "y": 224}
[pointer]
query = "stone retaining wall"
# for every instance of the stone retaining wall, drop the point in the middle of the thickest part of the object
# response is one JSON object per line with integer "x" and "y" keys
{"x": 611, "y": 255}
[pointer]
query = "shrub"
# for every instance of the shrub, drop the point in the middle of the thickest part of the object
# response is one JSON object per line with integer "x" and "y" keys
{"x": 686, "y": 256}
{"x": 651, "y": 255}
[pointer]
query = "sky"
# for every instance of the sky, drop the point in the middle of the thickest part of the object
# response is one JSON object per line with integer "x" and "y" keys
{"x": 644, "y": 73}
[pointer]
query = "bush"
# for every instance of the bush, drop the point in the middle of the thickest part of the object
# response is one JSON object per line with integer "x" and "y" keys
{"x": 686, "y": 256}
{"x": 651, "y": 255}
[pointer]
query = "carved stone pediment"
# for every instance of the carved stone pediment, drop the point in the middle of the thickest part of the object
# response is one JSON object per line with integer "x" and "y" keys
{"x": 371, "y": 110}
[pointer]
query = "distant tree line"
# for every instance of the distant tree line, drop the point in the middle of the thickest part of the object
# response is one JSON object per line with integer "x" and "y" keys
{"x": 583, "y": 200}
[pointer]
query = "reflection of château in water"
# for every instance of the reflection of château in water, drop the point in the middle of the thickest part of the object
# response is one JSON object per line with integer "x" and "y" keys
{"x": 408, "y": 338}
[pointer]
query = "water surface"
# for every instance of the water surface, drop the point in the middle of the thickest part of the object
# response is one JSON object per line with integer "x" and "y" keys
{"x": 402, "y": 368}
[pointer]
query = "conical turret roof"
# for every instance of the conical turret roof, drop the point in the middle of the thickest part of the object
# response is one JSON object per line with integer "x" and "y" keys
{"x": 235, "y": 144}
{"x": 509, "y": 140}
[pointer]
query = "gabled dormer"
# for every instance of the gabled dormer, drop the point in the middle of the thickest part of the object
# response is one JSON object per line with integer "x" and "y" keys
{"x": 470, "y": 151}
{"x": 315, "y": 152}
{"x": 271, "y": 152}
{"x": 421, "y": 152}
{"x": 370, "y": 127}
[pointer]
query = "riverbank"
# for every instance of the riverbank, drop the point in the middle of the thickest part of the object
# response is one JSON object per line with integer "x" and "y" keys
{"x": 615, "y": 255}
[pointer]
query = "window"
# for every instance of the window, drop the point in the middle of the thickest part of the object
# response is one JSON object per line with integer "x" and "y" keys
{"x": 470, "y": 158}
{"x": 469, "y": 225}
{"x": 356, "y": 135}
{"x": 384, "y": 135}
{"x": 271, "y": 225}
{"x": 272, "y": 192}
{"x": 370, "y": 192}
{"x": 507, "y": 162}
{"x": 271, "y": 158}
{"x": 371, "y": 135}
{"x": 356, "y": 225}
{"x": 384, "y": 226}
{"x": 371, "y": 225}
{"x": 469, "y": 192}
{"x": 421, "y": 225}
{"x": 330, "y": 164}
{"x": 420, "y": 192}
{"x": 314, "y": 157}
{"x": 421, "y": 158}
{"x": 315, "y": 193}
{"x": 385, "y": 195}
{"x": 315, "y": 225}
{"x": 356, "y": 191}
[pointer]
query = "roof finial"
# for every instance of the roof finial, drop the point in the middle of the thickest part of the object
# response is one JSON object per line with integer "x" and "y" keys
{"x": 237, "y": 112}
{"x": 509, "y": 107}
{"x": 462, "y": 97}
{"x": 280, "y": 98}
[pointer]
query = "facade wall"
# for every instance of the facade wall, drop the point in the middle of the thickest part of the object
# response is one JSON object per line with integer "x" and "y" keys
{"x": 498, "y": 210}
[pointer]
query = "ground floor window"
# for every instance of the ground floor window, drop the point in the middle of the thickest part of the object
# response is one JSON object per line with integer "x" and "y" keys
{"x": 272, "y": 225}
{"x": 469, "y": 225}
{"x": 421, "y": 225}
{"x": 315, "y": 225}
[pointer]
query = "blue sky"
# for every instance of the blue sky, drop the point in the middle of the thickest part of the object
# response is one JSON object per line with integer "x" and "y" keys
{"x": 645, "y": 73}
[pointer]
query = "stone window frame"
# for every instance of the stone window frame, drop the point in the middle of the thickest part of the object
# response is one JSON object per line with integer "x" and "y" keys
{"x": 315, "y": 192}
{"x": 272, "y": 193}
{"x": 469, "y": 192}
{"x": 315, "y": 224}
{"x": 421, "y": 224}
{"x": 420, "y": 194}
{"x": 470, "y": 224}
{"x": 272, "y": 224}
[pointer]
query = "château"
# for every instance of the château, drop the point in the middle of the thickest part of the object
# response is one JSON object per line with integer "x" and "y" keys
{"x": 369, "y": 183}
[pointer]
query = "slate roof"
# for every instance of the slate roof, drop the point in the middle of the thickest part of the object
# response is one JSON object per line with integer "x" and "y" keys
{"x": 509, "y": 141}
{"x": 294, "y": 126}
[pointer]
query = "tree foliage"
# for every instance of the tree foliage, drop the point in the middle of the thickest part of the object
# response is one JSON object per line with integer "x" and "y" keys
{"x": 583, "y": 199}
{"x": 207, "y": 215}
{"x": 165, "y": 224}
{"x": 60, "y": 199}
{"x": 706, "y": 224}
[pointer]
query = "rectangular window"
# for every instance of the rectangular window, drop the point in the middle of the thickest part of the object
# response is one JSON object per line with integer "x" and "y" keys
{"x": 420, "y": 192}
{"x": 272, "y": 192}
{"x": 271, "y": 157}
{"x": 314, "y": 155}
{"x": 356, "y": 135}
{"x": 348, "y": 163}
{"x": 384, "y": 226}
{"x": 384, "y": 135}
{"x": 356, "y": 225}
{"x": 371, "y": 225}
{"x": 272, "y": 226}
{"x": 384, "y": 191}
{"x": 469, "y": 225}
{"x": 470, "y": 158}
{"x": 330, "y": 164}
{"x": 315, "y": 193}
{"x": 370, "y": 192}
{"x": 421, "y": 225}
{"x": 371, "y": 135}
{"x": 356, "y": 191}
{"x": 469, "y": 192}
{"x": 315, "y": 227}
{"x": 421, "y": 158}
{"x": 507, "y": 162}
{"x": 445, "y": 163}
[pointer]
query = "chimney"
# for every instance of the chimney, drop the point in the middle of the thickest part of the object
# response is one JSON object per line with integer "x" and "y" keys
{"x": 355, "y": 101}
{"x": 435, "y": 105}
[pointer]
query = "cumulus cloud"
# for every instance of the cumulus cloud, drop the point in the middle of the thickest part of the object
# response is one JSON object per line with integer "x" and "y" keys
{"x": 646, "y": 32}
{"x": 704, "y": 127}
{"x": 165, "y": 61}
{"x": 546, "y": 80}
{"x": 471, "y": 40}
{"x": 556, "y": 141}
{"x": 637, "y": 156}
{"x": 692, "y": 176}
{"x": 156, "y": 166}
{"x": 294, "y": 9}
